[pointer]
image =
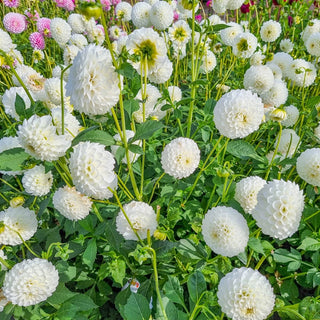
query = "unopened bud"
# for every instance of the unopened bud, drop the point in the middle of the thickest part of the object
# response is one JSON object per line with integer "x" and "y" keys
{"x": 17, "y": 202}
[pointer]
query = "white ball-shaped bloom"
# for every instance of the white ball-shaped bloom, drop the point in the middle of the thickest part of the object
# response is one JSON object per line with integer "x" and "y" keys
{"x": 78, "y": 40}
{"x": 282, "y": 60}
{"x": 234, "y": 4}
{"x": 123, "y": 11}
{"x": 313, "y": 44}
{"x": 270, "y": 31}
{"x": 317, "y": 131}
{"x": 30, "y": 282}
{"x": 52, "y": 88}
{"x": 257, "y": 58}
{"x": 36, "y": 181}
{"x": 6, "y": 43}
{"x": 302, "y": 72}
{"x": 244, "y": 45}
{"x": 3, "y": 267}
{"x": 180, "y": 158}
{"x": 276, "y": 95}
{"x": 277, "y": 72}
{"x": 258, "y": 78}
{"x": 279, "y": 208}
{"x": 229, "y": 34}
{"x": 69, "y": 53}
{"x": 91, "y": 168}
{"x": 286, "y": 45}
{"x": 133, "y": 157}
{"x": 142, "y": 218}
{"x": 175, "y": 93}
{"x": 17, "y": 220}
{"x": 209, "y": 62}
{"x": 76, "y": 22}
{"x": 219, "y": 6}
{"x": 312, "y": 27}
{"x": 245, "y": 294}
{"x": 60, "y": 31}
{"x": 179, "y": 33}
{"x": 9, "y": 99}
{"x": 7, "y": 143}
{"x": 292, "y": 116}
{"x": 308, "y": 166}
{"x": 161, "y": 15}
{"x": 225, "y": 231}
{"x": 238, "y": 113}
{"x": 93, "y": 84}
{"x": 71, "y": 204}
{"x": 140, "y": 15}
{"x": 162, "y": 71}
{"x": 247, "y": 190}
{"x": 37, "y": 135}
{"x": 289, "y": 142}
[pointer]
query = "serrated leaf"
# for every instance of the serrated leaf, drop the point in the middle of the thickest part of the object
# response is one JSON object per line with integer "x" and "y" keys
{"x": 146, "y": 130}
{"x": 256, "y": 245}
{"x": 173, "y": 290}
{"x": 89, "y": 255}
{"x": 190, "y": 250}
{"x": 293, "y": 258}
{"x": 118, "y": 270}
{"x": 243, "y": 150}
{"x": 196, "y": 285}
{"x": 309, "y": 244}
{"x": 94, "y": 135}
{"x": 137, "y": 308}
{"x": 12, "y": 159}
{"x": 135, "y": 148}
{"x": 127, "y": 70}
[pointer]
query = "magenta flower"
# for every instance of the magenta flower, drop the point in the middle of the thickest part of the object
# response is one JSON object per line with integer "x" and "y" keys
{"x": 32, "y": 16}
{"x": 15, "y": 22}
{"x": 245, "y": 8}
{"x": 11, "y": 3}
{"x": 43, "y": 26}
{"x": 198, "y": 17}
{"x": 209, "y": 3}
{"x": 37, "y": 41}
{"x": 106, "y": 5}
{"x": 175, "y": 16}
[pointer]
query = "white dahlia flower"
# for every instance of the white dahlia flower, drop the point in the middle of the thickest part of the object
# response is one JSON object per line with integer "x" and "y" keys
{"x": 244, "y": 45}
{"x": 209, "y": 62}
{"x": 308, "y": 166}
{"x": 286, "y": 45}
{"x": 276, "y": 95}
{"x": 17, "y": 220}
{"x": 245, "y": 294}
{"x": 37, "y": 135}
{"x": 3, "y": 267}
{"x": 179, "y": 33}
{"x": 78, "y": 40}
{"x": 229, "y": 34}
{"x": 93, "y": 84}
{"x": 30, "y": 282}
{"x": 279, "y": 208}
{"x": 36, "y": 181}
{"x": 6, "y": 43}
{"x": 142, "y": 218}
{"x": 313, "y": 44}
{"x": 60, "y": 31}
{"x": 95, "y": 33}
{"x": 312, "y": 27}
{"x": 234, "y": 4}
{"x": 238, "y": 113}
{"x": 258, "y": 78}
{"x": 7, "y": 143}
{"x": 71, "y": 204}
{"x": 225, "y": 231}
{"x": 9, "y": 99}
{"x": 91, "y": 168}
{"x": 277, "y": 72}
{"x": 180, "y": 158}
{"x": 140, "y": 15}
{"x": 257, "y": 58}
{"x": 123, "y": 11}
{"x": 282, "y": 60}
{"x": 289, "y": 142}
{"x": 52, "y": 88}
{"x": 219, "y": 6}
{"x": 292, "y": 116}
{"x": 247, "y": 190}
{"x": 175, "y": 93}
{"x": 69, "y": 53}
{"x": 76, "y": 22}
{"x": 161, "y": 15}
{"x": 162, "y": 71}
{"x": 270, "y": 31}
{"x": 302, "y": 72}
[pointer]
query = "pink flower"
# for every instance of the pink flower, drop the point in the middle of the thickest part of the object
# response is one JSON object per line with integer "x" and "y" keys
{"x": 15, "y": 22}
{"x": 115, "y": 2}
{"x": 100, "y": 26}
{"x": 70, "y": 5}
{"x": 208, "y": 3}
{"x": 43, "y": 26}
{"x": 11, "y": 3}
{"x": 65, "y": 4}
{"x": 37, "y": 41}
{"x": 198, "y": 17}
{"x": 106, "y": 5}
{"x": 175, "y": 16}
{"x": 245, "y": 8}
{"x": 32, "y": 16}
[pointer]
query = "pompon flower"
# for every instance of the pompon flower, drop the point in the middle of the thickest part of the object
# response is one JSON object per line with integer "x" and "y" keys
{"x": 292, "y": 116}
{"x": 7, "y": 143}
{"x": 313, "y": 44}
{"x": 282, "y": 60}
{"x": 36, "y": 181}
{"x": 247, "y": 190}
{"x": 238, "y": 113}
{"x": 91, "y": 168}
{"x": 6, "y": 43}
{"x": 245, "y": 294}
{"x": 209, "y": 62}
{"x": 140, "y": 15}
{"x": 17, "y": 220}
{"x": 276, "y": 95}
{"x": 302, "y": 72}
{"x": 229, "y": 34}
{"x": 225, "y": 231}
{"x": 179, "y": 33}
{"x": 258, "y": 78}
{"x": 37, "y": 41}
{"x": 11, "y": 3}
{"x": 286, "y": 45}
{"x": 30, "y": 282}
{"x": 69, "y": 53}
{"x": 279, "y": 208}
{"x": 244, "y": 45}
{"x": 312, "y": 27}
{"x": 93, "y": 84}
{"x": 52, "y": 87}
{"x": 76, "y": 22}
{"x": 43, "y": 26}
{"x": 78, "y": 40}
{"x": 219, "y": 6}
{"x": 142, "y": 217}
{"x": 289, "y": 142}
{"x": 180, "y": 158}
{"x": 15, "y": 22}
{"x": 123, "y": 11}
{"x": 270, "y": 31}
{"x": 60, "y": 31}
{"x": 175, "y": 93}
{"x": 234, "y": 4}
{"x": 161, "y": 15}
{"x": 71, "y": 204}
{"x": 308, "y": 166}
{"x": 161, "y": 72}
{"x": 37, "y": 135}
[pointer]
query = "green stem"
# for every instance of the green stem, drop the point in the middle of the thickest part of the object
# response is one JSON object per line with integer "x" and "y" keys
{"x": 96, "y": 211}
{"x": 155, "y": 185}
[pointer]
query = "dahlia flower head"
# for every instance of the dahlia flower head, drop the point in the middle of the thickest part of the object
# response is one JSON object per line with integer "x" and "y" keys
{"x": 17, "y": 220}
{"x": 258, "y": 79}
{"x": 246, "y": 192}
{"x": 229, "y": 34}
{"x": 221, "y": 6}
{"x": 91, "y": 168}
{"x": 7, "y": 143}
{"x": 15, "y": 22}
{"x": 257, "y": 58}
{"x": 161, "y": 73}
{"x": 60, "y": 31}
{"x": 78, "y": 40}
{"x": 209, "y": 62}
{"x": 142, "y": 218}
{"x": 238, "y": 113}
{"x": 301, "y": 72}
{"x": 245, "y": 294}
{"x": 11, "y": 3}
{"x": 76, "y": 22}
{"x": 30, "y": 282}
{"x": 6, "y": 43}
{"x": 244, "y": 45}
{"x": 289, "y": 142}
{"x": 286, "y": 45}
{"x": 180, "y": 158}
{"x": 37, "y": 41}
{"x": 36, "y": 181}
{"x": 276, "y": 95}
{"x": 161, "y": 15}
{"x": 292, "y": 116}
{"x": 175, "y": 93}
{"x": 43, "y": 26}
{"x": 71, "y": 203}
{"x": 313, "y": 44}
{"x": 53, "y": 90}
{"x": 93, "y": 84}
{"x": 283, "y": 61}
{"x": 279, "y": 208}
{"x": 270, "y": 31}
{"x": 123, "y": 11}
{"x": 312, "y": 27}
{"x": 140, "y": 15}
{"x": 277, "y": 72}
{"x": 179, "y": 33}
{"x": 225, "y": 231}
{"x": 37, "y": 135}
{"x": 308, "y": 166}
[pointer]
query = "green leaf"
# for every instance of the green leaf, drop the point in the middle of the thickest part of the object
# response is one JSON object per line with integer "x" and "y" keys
{"x": 131, "y": 106}
{"x": 196, "y": 26}
{"x": 127, "y": 70}
{"x": 135, "y": 148}
{"x": 289, "y": 290}
{"x": 243, "y": 150}
{"x": 173, "y": 290}
{"x": 20, "y": 107}
{"x": 172, "y": 312}
{"x": 82, "y": 302}
{"x": 217, "y": 27}
{"x": 196, "y": 285}
{"x": 13, "y": 159}
{"x": 293, "y": 258}
{"x": 256, "y": 245}
{"x": 309, "y": 244}
{"x": 93, "y": 135}
{"x": 190, "y": 250}
{"x": 137, "y": 308}
{"x": 209, "y": 106}
{"x": 61, "y": 295}
{"x": 312, "y": 102}
{"x": 118, "y": 271}
{"x": 120, "y": 154}
{"x": 90, "y": 253}
{"x": 146, "y": 130}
